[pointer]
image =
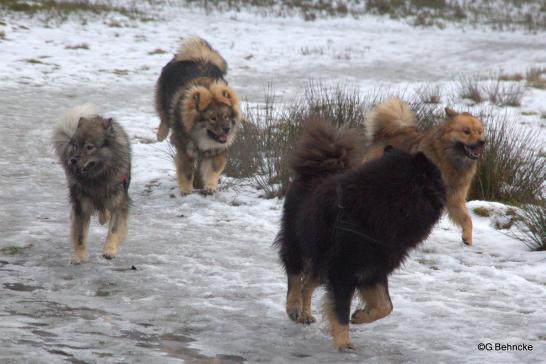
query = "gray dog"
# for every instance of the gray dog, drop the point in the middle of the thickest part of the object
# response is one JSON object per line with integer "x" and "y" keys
{"x": 96, "y": 157}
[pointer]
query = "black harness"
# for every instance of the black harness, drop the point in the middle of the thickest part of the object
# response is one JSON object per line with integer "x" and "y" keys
{"x": 345, "y": 223}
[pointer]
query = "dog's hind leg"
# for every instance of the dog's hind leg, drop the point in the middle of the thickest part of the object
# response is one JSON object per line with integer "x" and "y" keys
{"x": 378, "y": 303}
{"x": 211, "y": 168}
{"x": 340, "y": 290}
{"x": 184, "y": 171}
{"x": 117, "y": 231}
{"x": 291, "y": 258}
{"x": 294, "y": 297}
{"x": 162, "y": 130}
{"x": 310, "y": 283}
{"x": 80, "y": 217}
{"x": 458, "y": 213}
{"x": 337, "y": 309}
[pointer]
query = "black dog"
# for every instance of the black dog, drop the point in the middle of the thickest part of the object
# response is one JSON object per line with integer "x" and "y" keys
{"x": 350, "y": 228}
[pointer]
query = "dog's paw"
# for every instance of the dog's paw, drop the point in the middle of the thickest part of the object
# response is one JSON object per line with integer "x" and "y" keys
{"x": 361, "y": 317}
{"x": 293, "y": 313}
{"x": 345, "y": 347}
{"x": 366, "y": 316}
{"x": 109, "y": 252}
{"x": 305, "y": 318}
{"x": 76, "y": 260}
{"x": 467, "y": 240}
{"x": 108, "y": 256}
{"x": 207, "y": 191}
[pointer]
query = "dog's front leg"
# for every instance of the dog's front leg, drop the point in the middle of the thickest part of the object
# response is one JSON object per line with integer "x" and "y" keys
{"x": 80, "y": 217}
{"x": 184, "y": 171}
{"x": 117, "y": 231}
{"x": 211, "y": 168}
{"x": 458, "y": 213}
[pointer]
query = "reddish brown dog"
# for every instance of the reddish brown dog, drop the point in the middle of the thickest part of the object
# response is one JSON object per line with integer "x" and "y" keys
{"x": 454, "y": 145}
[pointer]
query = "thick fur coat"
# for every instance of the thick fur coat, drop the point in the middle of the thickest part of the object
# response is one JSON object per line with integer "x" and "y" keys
{"x": 96, "y": 157}
{"x": 194, "y": 100}
{"x": 454, "y": 145}
{"x": 348, "y": 228}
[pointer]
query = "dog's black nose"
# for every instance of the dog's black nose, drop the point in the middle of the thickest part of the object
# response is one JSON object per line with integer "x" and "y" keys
{"x": 481, "y": 143}
{"x": 226, "y": 130}
{"x": 73, "y": 161}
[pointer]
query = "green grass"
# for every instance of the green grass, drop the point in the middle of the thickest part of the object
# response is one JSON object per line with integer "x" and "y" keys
{"x": 533, "y": 221}
{"x": 33, "y": 61}
{"x": 14, "y": 250}
{"x": 482, "y": 211}
{"x": 495, "y": 14}
{"x": 61, "y": 10}
{"x": 78, "y": 46}
{"x": 120, "y": 72}
{"x": 536, "y": 77}
{"x": 270, "y": 132}
{"x": 157, "y": 51}
{"x": 510, "y": 171}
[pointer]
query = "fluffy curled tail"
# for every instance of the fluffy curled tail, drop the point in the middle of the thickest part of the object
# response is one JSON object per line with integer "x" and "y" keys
{"x": 324, "y": 150}
{"x": 388, "y": 118}
{"x": 199, "y": 50}
{"x": 66, "y": 127}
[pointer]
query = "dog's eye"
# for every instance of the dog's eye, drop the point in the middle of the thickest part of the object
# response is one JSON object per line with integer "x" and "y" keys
{"x": 466, "y": 131}
{"x": 89, "y": 147}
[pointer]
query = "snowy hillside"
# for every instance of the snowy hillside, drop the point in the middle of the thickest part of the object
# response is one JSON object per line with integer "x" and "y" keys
{"x": 197, "y": 278}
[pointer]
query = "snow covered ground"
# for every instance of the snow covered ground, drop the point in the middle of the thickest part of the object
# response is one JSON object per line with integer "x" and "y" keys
{"x": 207, "y": 285}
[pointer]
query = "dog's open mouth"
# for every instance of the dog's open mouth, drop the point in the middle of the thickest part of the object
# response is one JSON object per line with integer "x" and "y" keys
{"x": 473, "y": 151}
{"x": 220, "y": 138}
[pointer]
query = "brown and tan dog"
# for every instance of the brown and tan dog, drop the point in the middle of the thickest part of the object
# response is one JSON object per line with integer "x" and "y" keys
{"x": 195, "y": 102}
{"x": 96, "y": 155}
{"x": 455, "y": 145}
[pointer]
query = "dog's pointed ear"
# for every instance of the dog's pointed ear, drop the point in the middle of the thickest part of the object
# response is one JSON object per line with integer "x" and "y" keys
{"x": 451, "y": 113}
{"x": 389, "y": 148}
{"x": 107, "y": 123}
{"x": 421, "y": 160}
{"x": 198, "y": 99}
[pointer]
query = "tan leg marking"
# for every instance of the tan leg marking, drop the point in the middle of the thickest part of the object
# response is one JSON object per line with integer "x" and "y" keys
{"x": 162, "y": 130}
{"x": 340, "y": 333}
{"x": 211, "y": 169}
{"x": 184, "y": 172}
{"x": 293, "y": 297}
{"x": 117, "y": 232}
{"x": 458, "y": 213}
{"x": 104, "y": 216}
{"x": 309, "y": 286}
{"x": 78, "y": 232}
{"x": 378, "y": 305}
